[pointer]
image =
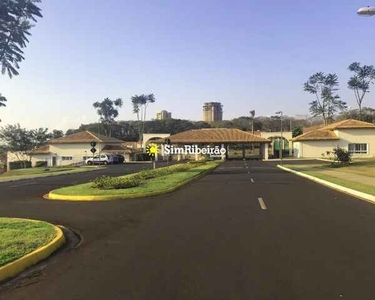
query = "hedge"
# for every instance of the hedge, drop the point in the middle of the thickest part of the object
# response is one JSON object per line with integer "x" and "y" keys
{"x": 21, "y": 164}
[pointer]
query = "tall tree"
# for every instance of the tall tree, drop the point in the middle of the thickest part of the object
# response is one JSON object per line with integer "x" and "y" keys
{"x": 16, "y": 20}
{"x": 140, "y": 104}
{"x": 108, "y": 111}
{"x": 23, "y": 142}
{"x": 360, "y": 82}
{"x": 2, "y": 101}
{"x": 327, "y": 102}
{"x": 297, "y": 130}
{"x": 57, "y": 134}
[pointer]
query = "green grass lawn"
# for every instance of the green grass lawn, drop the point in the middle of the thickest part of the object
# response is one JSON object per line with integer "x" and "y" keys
{"x": 19, "y": 237}
{"x": 364, "y": 167}
{"x": 43, "y": 171}
{"x": 155, "y": 185}
{"x": 364, "y": 188}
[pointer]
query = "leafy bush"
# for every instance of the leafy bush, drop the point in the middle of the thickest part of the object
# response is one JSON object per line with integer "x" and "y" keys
{"x": 197, "y": 162}
{"x": 341, "y": 156}
{"x": 113, "y": 183}
{"x": 40, "y": 164}
{"x": 132, "y": 180}
{"x": 21, "y": 164}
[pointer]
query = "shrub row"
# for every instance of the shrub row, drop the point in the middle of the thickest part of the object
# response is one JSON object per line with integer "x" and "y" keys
{"x": 114, "y": 183}
{"x": 133, "y": 180}
{"x": 40, "y": 163}
{"x": 21, "y": 164}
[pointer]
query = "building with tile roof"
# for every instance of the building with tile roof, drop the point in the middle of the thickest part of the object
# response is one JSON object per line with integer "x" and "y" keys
{"x": 357, "y": 137}
{"x": 228, "y": 138}
{"x": 75, "y": 148}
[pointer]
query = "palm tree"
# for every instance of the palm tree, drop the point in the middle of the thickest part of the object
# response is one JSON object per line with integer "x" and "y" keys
{"x": 140, "y": 104}
{"x": 2, "y": 100}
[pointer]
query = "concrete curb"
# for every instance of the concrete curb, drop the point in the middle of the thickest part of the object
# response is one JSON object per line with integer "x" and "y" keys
{"x": 50, "y": 175}
{"x": 53, "y": 196}
{"x": 15, "y": 267}
{"x": 288, "y": 159}
{"x": 324, "y": 159}
{"x": 351, "y": 192}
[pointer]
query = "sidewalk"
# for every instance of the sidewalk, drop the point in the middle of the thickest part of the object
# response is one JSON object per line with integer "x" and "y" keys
{"x": 351, "y": 176}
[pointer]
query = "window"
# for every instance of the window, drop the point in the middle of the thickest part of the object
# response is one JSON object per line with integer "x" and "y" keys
{"x": 66, "y": 157}
{"x": 358, "y": 148}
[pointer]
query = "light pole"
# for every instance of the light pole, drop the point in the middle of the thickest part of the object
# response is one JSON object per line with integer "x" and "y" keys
{"x": 366, "y": 11}
{"x": 252, "y": 116}
{"x": 281, "y": 135}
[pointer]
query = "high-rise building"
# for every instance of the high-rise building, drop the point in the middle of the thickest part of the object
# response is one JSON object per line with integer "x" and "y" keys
{"x": 212, "y": 112}
{"x": 163, "y": 114}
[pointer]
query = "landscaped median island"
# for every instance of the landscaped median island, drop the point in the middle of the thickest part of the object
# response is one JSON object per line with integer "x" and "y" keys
{"x": 141, "y": 184}
{"x": 25, "y": 242}
{"x": 44, "y": 172}
{"x": 358, "y": 175}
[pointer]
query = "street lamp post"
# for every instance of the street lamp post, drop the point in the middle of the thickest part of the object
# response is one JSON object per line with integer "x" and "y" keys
{"x": 366, "y": 11}
{"x": 281, "y": 135}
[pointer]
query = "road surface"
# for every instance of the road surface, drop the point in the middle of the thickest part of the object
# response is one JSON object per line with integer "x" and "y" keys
{"x": 246, "y": 231}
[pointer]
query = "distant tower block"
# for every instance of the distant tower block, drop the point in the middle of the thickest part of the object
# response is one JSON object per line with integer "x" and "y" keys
{"x": 212, "y": 112}
{"x": 163, "y": 114}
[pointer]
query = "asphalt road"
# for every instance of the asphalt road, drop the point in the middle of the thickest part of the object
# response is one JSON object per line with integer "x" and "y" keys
{"x": 246, "y": 231}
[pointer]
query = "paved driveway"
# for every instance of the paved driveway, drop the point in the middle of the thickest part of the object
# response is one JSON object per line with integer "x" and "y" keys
{"x": 246, "y": 231}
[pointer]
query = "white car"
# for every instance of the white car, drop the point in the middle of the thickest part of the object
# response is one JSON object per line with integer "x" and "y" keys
{"x": 104, "y": 159}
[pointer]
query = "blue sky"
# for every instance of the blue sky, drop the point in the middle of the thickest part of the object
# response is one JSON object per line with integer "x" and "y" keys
{"x": 245, "y": 54}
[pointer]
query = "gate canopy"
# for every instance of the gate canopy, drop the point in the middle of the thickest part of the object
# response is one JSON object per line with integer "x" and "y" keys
{"x": 215, "y": 136}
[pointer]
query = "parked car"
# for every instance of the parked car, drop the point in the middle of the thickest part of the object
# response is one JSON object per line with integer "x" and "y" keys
{"x": 119, "y": 159}
{"x": 104, "y": 159}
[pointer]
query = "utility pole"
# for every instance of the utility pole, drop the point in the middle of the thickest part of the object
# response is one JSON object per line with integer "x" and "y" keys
{"x": 252, "y": 116}
{"x": 281, "y": 135}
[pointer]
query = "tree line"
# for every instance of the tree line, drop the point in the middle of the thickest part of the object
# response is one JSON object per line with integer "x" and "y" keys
{"x": 327, "y": 102}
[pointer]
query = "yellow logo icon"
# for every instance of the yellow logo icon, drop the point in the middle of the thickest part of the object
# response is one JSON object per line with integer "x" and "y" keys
{"x": 152, "y": 149}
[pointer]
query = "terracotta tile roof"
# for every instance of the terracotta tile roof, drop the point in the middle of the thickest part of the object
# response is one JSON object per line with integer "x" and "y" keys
{"x": 132, "y": 144}
{"x": 312, "y": 128}
{"x": 119, "y": 148}
{"x": 41, "y": 150}
{"x": 316, "y": 135}
{"x": 349, "y": 124}
{"x": 326, "y": 132}
{"x": 85, "y": 137}
{"x": 216, "y": 135}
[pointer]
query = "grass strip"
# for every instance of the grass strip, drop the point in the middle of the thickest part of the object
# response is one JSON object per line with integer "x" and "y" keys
{"x": 364, "y": 188}
{"x": 40, "y": 172}
{"x": 19, "y": 237}
{"x": 155, "y": 185}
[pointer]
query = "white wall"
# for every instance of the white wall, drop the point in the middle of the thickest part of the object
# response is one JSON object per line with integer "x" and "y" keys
{"x": 147, "y": 136}
{"x": 76, "y": 151}
{"x": 315, "y": 149}
{"x": 358, "y": 136}
{"x": 11, "y": 157}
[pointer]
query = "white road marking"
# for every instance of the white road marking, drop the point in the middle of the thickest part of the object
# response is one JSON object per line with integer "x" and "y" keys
{"x": 252, "y": 180}
{"x": 262, "y": 204}
{"x": 230, "y": 167}
{"x": 247, "y": 167}
{"x": 30, "y": 183}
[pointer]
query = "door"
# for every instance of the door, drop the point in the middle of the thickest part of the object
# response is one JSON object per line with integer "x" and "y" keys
{"x": 54, "y": 161}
